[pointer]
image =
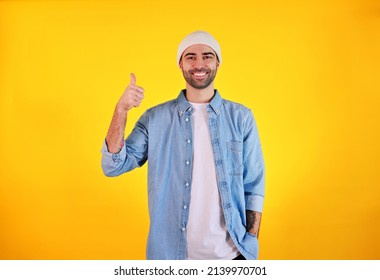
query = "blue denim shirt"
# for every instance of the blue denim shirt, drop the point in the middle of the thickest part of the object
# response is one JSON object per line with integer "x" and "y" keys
{"x": 163, "y": 136}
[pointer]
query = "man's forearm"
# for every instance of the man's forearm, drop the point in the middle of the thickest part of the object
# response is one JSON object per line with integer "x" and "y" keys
{"x": 253, "y": 221}
{"x": 115, "y": 135}
{"x": 131, "y": 97}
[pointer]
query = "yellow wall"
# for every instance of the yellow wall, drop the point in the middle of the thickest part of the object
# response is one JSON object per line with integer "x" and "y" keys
{"x": 310, "y": 70}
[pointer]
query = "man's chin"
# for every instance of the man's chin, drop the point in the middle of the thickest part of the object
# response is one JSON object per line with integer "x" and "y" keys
{"x": 200, "y": 85}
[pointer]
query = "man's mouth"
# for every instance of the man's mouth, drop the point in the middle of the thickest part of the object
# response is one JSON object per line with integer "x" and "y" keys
{"x": 199, "y": 74}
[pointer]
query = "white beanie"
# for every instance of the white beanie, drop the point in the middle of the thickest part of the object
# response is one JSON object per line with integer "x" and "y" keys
{"x": 199, "y": 37}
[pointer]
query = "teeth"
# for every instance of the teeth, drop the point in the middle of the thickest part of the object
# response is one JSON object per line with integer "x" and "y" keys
{"x": 199, "y": 74}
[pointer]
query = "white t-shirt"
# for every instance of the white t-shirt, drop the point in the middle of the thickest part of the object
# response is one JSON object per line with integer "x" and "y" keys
{"x": 207, "y": 235}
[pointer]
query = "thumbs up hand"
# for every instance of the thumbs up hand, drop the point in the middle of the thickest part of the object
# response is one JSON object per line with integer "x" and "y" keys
{"x": 132, "y": 96}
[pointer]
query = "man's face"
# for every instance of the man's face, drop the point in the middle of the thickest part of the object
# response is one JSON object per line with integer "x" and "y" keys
{"x": 199, "y": 65}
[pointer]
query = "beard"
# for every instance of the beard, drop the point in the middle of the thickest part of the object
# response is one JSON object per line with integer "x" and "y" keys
{"x": 199, "y": 83}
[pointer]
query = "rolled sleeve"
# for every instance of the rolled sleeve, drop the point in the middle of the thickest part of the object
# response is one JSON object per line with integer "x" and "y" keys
{"x": 134, "y": 152}
{"x": 254, "y": 203}
{"x": 110, "y": 161}
{"x": 254, "y": 171}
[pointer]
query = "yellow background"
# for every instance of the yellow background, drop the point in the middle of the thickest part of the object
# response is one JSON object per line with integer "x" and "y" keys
{"x": 310, "y": 70}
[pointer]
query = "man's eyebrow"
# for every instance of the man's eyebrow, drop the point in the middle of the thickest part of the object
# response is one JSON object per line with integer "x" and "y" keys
{"x": 205, "y": 53}
{"x": 190, "y": 54}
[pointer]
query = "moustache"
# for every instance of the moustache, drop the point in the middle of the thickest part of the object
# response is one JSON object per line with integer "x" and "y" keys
{"x": 203, "y": 70}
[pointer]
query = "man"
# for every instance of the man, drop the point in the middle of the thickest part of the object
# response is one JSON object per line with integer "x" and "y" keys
{"x": 205, "y": 165}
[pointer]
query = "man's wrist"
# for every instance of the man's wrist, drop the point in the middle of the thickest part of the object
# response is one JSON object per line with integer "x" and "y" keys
{"x": 122, "y": 109}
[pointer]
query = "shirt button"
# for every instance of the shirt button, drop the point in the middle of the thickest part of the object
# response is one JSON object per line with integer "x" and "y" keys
{"x": 183, "y": 229}
{"x": 187, "y": 162}
{"x": 187, "y": 184}
{"x": 188, "y": 141}
{"x": 187, "y": 119}
{"x": 185, "y": 207}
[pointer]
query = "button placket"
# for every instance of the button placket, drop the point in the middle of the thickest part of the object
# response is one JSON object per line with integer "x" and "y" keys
{"x": 188, "y": 162}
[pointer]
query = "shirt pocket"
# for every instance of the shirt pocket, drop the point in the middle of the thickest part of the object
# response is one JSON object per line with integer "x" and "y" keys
{"x": 235, "y": 158}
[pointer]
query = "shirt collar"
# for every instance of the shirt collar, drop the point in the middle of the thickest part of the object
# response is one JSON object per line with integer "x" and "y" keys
{"x": 184, "y": 105}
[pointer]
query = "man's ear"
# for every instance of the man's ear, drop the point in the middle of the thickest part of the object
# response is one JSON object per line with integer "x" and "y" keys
{"x": 180, "y": 63}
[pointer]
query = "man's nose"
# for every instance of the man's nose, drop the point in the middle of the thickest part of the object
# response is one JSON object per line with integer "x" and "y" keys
{"x": 198, "y": 63}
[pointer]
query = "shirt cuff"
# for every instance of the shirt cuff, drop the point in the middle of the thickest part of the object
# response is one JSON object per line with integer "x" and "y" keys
{"x": 254, "y": 203}
{"x": 117, "y": 157}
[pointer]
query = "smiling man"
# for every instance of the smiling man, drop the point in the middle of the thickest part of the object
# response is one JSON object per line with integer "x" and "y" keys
{"x": 205, "y": 164}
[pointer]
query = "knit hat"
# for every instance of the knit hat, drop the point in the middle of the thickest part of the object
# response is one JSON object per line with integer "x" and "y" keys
{"x": 199, "y": 37}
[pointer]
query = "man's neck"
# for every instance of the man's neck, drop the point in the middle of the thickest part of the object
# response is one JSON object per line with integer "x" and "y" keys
{"x": 200, "y": 95}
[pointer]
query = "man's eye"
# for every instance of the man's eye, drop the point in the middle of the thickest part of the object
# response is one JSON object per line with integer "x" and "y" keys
{"x": 191, "y": 57}
{"x": 207, "y": 57}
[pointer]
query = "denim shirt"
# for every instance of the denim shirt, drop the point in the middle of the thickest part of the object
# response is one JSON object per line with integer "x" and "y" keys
{"x": 163, "y": 136}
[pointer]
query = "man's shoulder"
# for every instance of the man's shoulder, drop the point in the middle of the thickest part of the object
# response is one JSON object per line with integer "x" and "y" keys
{"x": 236, "y": 106}
{"x": 162, "y": 108}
